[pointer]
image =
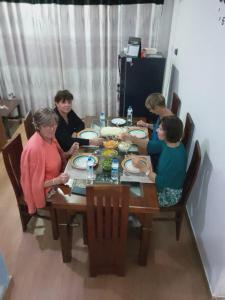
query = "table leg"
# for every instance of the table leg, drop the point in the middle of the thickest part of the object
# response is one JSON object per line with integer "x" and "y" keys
{"x": 6, "y": 125}
{"x": 65, "y": 234}
{"x": 19, "y": 113}
{"x": 146, "y": 221}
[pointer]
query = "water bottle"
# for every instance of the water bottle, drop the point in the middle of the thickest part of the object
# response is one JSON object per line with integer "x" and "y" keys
{"x": 102, "y": 119}
{"x": 115, "y": 170}
{"x": 129, "y": 116}
{"x": 90, "y": 170}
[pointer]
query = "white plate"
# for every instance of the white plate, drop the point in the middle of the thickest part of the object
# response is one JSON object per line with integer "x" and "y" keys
{"x": 129, "y": 167}
{"x": 139, "y": 133}
{"x": 88, "y": 134}
{"x": 118, "y": 121}
{"x": 80, "y": 161}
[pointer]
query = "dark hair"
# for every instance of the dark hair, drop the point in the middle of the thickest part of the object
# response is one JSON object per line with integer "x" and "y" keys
{"x": 44, "y": 117}
{"x": 63, "y": 95}
{"x": 173, "y": 128}
{"x": 155, "y": 99}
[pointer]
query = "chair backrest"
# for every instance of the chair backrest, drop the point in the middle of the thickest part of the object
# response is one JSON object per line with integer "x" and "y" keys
{"x": 176, "y": 103}
{"x": 107, "y": 219}
{"x": 28, "y": 125}
{"x": 3, "y": 138}
{"x": 188, "y": 131}
{"x": 191, "y": 174}
{"x": 11, "y": 154}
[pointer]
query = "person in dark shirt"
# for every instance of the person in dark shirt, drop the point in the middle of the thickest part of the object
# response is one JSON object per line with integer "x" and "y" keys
{"x": 69, "y": 122}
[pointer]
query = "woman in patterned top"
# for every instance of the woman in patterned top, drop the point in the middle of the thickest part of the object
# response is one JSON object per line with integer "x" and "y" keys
{"x": 171, "y": 170}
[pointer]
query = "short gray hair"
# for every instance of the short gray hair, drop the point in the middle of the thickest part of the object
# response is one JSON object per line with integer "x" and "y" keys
{"x": 44, "y": 117}
{"x": 155, "y": 99}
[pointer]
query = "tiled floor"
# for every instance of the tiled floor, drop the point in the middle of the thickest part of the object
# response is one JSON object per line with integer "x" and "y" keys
{"x": 34, "y": 260}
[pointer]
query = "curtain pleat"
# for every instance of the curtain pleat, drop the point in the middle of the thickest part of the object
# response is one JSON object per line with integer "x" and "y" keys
{"x": 45, "y": 48}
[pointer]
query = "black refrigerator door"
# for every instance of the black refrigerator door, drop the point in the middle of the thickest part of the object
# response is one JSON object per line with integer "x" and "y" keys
{"x": 138, "y": 79}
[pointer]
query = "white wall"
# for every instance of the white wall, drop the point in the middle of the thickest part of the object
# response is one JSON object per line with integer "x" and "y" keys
{"x": 199, "y": 79}
{"x": 164, "y": 27}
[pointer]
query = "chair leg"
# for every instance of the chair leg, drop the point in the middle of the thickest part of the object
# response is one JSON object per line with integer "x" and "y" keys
{"x": 24, "y": 217}
{"x": 179, "y": 219}
{"x": 85, "y": 239}
{"x": 55, "y": 229}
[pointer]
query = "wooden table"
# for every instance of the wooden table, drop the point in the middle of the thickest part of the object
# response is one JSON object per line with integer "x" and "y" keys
{"x": 10, "y": 106}
{"x": 143, "y": 207}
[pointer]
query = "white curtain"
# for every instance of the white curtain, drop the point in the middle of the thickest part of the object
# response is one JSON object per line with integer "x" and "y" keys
{"x": 47, "y": 47}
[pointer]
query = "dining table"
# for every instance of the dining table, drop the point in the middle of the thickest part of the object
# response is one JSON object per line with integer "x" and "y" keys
{"x": 143, "y": 204}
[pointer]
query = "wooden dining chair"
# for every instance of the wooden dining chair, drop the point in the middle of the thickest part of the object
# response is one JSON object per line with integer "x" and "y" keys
{"x": 107, "y": 221}
{"x": 28, "y": 125}
{"x": 11, "y": 155}
{"x": 176, "y": 103}
{"x": 188, "y": 132}
{"x": 180, "y": 208}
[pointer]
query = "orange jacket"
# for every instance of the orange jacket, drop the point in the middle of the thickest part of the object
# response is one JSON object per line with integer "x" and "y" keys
{"x": 33, "y": 172}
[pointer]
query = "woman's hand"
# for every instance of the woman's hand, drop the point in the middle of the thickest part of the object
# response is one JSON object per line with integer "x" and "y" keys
{"x": 125, "y": 137}
{"x": 142, "y": 163}
{"x": 96, "y": 141}
{"x": 61, "y": 179}
{"x": 73, "y": 149}
{"x": 142, "y": 123}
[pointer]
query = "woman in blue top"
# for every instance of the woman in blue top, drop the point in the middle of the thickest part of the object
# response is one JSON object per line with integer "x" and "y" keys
{"x": 171, "y": 170}
{"x": 156, "y": 104}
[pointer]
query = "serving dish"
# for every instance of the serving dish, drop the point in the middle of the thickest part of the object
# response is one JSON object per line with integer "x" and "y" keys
{"x": 109, "y": 153}
{"x": 118, "y": 121}
{"x": 110, "y": 144}
{"x": 124, "y": 146}
{"x": 111, "y": 131}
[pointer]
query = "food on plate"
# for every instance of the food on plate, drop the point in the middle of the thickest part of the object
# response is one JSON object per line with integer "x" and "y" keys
{"x": 138, "y": 132}
{"x": 109, "y": 153}
{"x": 128, "y": 165}
{"x": 111, "y": 131}
{"x": 124, "y": 146}
{"x": 111, "y": 144}
{"x": 107, "y": 164}
{"x": 118, "y": 121}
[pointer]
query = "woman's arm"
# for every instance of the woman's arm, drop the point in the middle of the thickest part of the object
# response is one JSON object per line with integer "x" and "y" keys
{"x": 144, "y": 124}
{"x": 144, "y": 167}
{"x": 141, "y": 143}
{"x": 61, "y": 179}
{"x": 73, "y": 149}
